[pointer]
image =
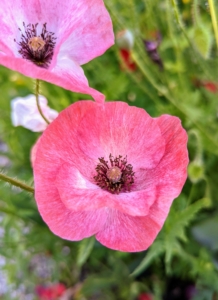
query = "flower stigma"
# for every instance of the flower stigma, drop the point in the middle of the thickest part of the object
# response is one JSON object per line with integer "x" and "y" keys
{"x": 36, "y": 43}
{"x": 37, "y": 48}
{"x": 116, "y": 176}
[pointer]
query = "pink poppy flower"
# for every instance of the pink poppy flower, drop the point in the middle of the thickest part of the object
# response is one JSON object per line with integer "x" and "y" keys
{"x": 111, "y": 171}
{"x": 49, "y": 40}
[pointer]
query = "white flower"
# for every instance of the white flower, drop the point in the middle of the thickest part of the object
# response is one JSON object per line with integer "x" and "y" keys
{"x": 25, "y": 113}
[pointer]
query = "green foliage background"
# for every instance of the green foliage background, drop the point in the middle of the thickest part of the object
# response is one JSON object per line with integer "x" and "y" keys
{"x": 186, "y": 247}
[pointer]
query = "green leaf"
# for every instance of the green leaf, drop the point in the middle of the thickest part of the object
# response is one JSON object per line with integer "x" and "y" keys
{"x": 203, "y": 40}
{"x": 177, "y": 221}
{"x": 85, "y": 249}
{"x": 174, "y": 229}
{"x": 154, "y": 251}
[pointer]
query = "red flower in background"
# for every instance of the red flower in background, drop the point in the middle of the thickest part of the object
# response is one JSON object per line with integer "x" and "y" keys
{"x": 125, "y": 42}
{"x": 145, "y": 296}
{"x": 111, "y": 171}
{"x": 126, "y": 58}
{"x": 208, "y": 85}
{"x": 52, "y": 292}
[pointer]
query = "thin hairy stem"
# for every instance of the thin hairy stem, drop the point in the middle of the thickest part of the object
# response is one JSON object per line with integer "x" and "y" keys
{"x": 17, "y": 183}
{"x": 37, "y": 102}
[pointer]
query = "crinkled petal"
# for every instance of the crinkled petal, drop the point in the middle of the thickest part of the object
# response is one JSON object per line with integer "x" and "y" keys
{"x": 61, "y": 141}
{"x": 79, "y": 194}
{"x": 57, "y": 143}
{"x": 171, "y": 173}
{"x": 63, "y": 222}
{"x": 91, "y": 31}
{"x": 11, "y": 16}
{"x": 59, "y": 15}
{"x": 66, "y": 74}
{"x": 33, "y": 152}
{"x": 53, "y": 148}
{"x": 119, "y": 129}
{"x": 5, "y": 49}
{"x": 127, "y": 233}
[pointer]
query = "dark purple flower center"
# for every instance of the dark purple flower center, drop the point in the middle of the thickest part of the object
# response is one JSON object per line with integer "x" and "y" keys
{"x": 115, "y": 176}
{"x": 37, "y": 48}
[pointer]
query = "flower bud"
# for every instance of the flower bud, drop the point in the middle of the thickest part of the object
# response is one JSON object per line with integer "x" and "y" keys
{"x": 125, "y": 39}
{"x": 195, "y": 171}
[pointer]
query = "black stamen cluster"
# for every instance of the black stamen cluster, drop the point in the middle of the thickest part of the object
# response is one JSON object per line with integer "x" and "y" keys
{"x": 42, "y": 56}
{"x": 126, "y": 179}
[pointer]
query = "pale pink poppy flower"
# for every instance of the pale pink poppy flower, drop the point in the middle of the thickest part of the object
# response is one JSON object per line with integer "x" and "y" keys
{"x": 111, "y": 171}
{"x": 50, "y": 39}
{"x": 24, "y": 112}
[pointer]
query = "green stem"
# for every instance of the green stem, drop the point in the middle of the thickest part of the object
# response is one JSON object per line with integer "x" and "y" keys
{"x": 37, "y": 102}
{"x": 202, "y": 66}
{"x": 17, "y": 183}
{"x": 195, "y": 13}
{"x": 179, "y": 21}
{"x": 161, "y": 89}
{"x": 214, "y": 20}
{"x": 174, "y": 5}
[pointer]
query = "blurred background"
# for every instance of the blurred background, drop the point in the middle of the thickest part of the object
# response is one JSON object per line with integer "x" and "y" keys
{"x": 165, "y": 61}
